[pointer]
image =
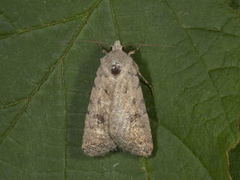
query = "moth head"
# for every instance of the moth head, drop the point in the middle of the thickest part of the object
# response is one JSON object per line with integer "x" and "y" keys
{"x": 116, "y": 62}
{"x": 117, "y": 46}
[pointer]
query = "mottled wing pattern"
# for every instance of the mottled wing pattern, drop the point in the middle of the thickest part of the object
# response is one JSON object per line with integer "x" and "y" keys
{"x": 117, "y": 115}
{"x": 96, "y": 139}
{"x": 129, "y": 127}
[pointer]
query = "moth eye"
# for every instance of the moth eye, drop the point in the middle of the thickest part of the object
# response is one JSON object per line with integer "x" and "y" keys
{"x": 115, "y": 69}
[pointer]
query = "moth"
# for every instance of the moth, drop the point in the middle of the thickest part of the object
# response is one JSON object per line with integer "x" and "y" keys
{"x": 117, "y": 116}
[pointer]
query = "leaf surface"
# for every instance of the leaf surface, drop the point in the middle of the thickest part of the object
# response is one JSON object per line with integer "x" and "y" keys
{"x": 191, "y": 56}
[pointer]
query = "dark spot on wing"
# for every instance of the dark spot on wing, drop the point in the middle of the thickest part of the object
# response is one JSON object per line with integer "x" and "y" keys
{"x": 134, "y": 117}
{"x": 106, "y": 91}
{"x": 100, "y": 118}
{"x": 137, "y": 115}
{"x": 132, "y": 120}
{"x": 126, "y": 89}
{"x": 134, "y": 101}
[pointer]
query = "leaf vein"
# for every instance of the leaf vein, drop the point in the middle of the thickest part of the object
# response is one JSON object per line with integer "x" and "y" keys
{"x": 11, "y": 104}
{"x": 200, "y": 58}
{"x": 46, "y": 76}
{"x": 95, "y": 6}
{"x": 211, "y": 31}
{"x": 188, "y": 148}
{"x": 48, "y": 24}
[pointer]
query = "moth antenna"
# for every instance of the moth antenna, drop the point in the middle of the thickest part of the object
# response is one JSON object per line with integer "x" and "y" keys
{"x": 96, "y": 42}
{"x": 133, "y": 51}
{"x": 101, "y": 44}
{"x": 152, "y": 45}
{"x": 135, "y": 48}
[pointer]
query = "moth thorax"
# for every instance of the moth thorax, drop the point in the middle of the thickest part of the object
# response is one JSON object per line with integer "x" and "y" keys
{"x": 116, "y": 68}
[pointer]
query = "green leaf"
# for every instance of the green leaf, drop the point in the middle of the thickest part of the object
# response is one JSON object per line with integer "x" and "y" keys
{"x": 48, "y": 64}
{"x": 235, "y": 165}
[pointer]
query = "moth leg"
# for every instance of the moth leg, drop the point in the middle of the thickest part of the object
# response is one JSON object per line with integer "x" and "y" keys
{"x": 142, "y": 78}
{"x": 131, "y": 52}
{"x": 105, "y": 50}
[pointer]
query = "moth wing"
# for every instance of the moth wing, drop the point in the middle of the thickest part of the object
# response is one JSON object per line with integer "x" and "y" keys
{"x": 96, "y": 139}
{"x": 130, "y": 129}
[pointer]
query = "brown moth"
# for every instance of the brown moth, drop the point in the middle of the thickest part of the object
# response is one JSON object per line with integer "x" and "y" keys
{"x": 117, "y": 115}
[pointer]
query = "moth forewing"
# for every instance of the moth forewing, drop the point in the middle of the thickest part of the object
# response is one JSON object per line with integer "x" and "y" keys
{"x": 96, "y": 139}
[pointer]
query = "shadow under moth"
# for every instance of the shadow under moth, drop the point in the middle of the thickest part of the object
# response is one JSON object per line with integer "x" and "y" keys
{"x": 117, "y": 116}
